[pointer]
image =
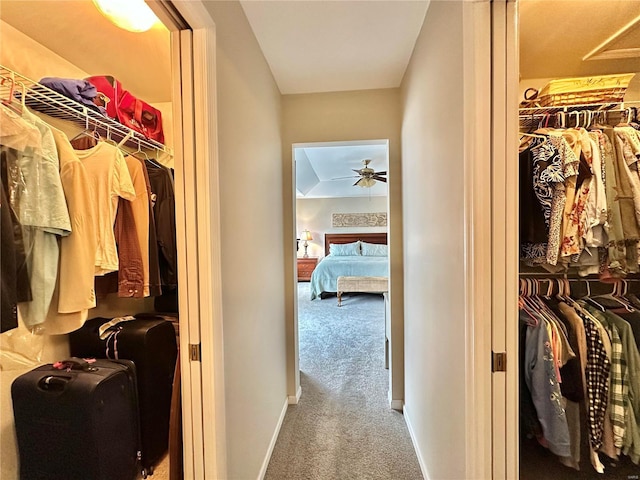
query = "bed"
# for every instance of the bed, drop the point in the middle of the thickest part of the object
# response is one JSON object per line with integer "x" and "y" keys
{"x": 324, "y": 279}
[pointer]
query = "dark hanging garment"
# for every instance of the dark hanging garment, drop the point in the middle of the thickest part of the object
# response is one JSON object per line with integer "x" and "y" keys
{"x": 9, "y": 294}
{"x": 164, "y": 212}
{"x": 21, "y": 273}
{"x": 155, "y": 287}
{"x": 533, "y": 228}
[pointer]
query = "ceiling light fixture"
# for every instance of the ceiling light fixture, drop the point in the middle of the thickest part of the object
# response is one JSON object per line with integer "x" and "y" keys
{"x": 366, "y": 182}
{"x": 131, "y": 15}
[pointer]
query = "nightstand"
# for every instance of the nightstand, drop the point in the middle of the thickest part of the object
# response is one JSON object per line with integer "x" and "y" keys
{"x": 306, "y": 267}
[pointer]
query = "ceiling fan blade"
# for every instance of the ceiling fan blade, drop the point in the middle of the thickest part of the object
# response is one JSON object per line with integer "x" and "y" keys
{"x": 380, "y": 179}
{"x": 342, "y": 178}
{"x": 380, "y": 173}
{"x": 356, "y": 183}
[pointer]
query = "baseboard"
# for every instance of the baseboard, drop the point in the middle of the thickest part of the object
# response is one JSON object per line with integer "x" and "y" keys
{"x": 395, "y": 404}
{"x": 274, "y": 439}
{"x": 423, "y": 466}
{"x": 294, "y": 400}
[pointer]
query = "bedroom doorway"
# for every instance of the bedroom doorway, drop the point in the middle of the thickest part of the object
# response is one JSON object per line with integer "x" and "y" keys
{"x": 341, "y": 189}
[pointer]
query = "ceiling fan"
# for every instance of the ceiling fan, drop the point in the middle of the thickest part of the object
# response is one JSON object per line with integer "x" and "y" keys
{"x": 368, "y": 175}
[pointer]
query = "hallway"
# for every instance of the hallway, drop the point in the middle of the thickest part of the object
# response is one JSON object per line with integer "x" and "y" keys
{"x": 343, "y": 427}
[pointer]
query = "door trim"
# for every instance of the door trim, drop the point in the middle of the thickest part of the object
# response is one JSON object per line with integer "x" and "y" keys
{"x": 504, "y": 208}
{"x": 477, "y": 177}
{"x": 198, "y": 234}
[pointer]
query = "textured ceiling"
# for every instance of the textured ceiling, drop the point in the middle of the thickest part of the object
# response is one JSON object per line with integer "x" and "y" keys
{"x": 76, "y": 31}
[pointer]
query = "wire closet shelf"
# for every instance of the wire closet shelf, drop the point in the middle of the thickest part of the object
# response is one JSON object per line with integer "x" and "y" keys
{"x": 20, "y": 90}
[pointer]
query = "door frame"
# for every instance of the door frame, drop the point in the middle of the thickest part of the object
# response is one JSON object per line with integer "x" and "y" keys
{"x": 193, "y": 56}
{"x": 504, "y": 207}
{"x": 395, "y": 395}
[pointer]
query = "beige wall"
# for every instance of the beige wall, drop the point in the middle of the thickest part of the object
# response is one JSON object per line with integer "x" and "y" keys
{"x": 343, "y": 116}
{"x": 433, "y": 216}
{"x": 314, "y": 214}
{"x": 252, "y": 238}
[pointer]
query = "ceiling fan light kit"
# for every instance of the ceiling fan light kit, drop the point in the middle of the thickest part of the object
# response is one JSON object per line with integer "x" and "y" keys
{"x": 368, "y": 176}
{"x": 365, "y": 182}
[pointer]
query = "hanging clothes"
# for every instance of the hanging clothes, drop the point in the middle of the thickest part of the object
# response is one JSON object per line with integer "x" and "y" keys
{"x": 164, "y": 209}
{"x": 129, "y": 280}
{"x": 74, "y": 295}
{"x": 161, "y": 181}
{"x": 155, "y": 287}
{"x": 591, "y": 209}
{"x": 109, "y": 180}
{"x": 140, "y": 214}
{"x": 9, "y": 293}
{"x": 34, "y": 190}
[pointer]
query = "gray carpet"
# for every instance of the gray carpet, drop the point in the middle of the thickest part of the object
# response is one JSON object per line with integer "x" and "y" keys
{"x": 343, "y": 427}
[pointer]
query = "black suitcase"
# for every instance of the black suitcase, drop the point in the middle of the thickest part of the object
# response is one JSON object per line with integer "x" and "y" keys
{"x": 77, "y": 423}
{"x": 151, "y": 345}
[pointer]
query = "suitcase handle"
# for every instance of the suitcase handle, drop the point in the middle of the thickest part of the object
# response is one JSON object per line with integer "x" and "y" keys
{"x": 52, "y": 383}
{"x": 74, "y": 363}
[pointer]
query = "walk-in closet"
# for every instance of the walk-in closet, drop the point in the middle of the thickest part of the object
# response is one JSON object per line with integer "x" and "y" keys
{"x": 90, "y": 192}
{"x": 579, "y": 234}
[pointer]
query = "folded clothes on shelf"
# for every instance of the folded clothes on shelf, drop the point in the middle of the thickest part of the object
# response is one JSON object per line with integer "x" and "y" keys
{"x": 81, "y": 91}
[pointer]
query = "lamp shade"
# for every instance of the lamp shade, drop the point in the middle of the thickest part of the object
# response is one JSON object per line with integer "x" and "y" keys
{"x": 306, "y": 236}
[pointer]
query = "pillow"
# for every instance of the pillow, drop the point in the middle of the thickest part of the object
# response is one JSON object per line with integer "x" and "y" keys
{"x": 344, "y": 249}
{"x": 374, "y": 250}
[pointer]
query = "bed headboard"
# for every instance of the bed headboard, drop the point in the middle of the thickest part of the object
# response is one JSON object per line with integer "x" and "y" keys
{"x": 329, "y": 238}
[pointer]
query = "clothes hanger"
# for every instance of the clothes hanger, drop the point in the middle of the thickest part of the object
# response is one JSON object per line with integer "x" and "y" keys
{"x": 589, "y": 118}
{"x": 608, "y": 296}
{"x": 87, "y": 132}
{"x": 625, "y": 114}
{"x": 529, "y": 137}
{"x": 619, "y": 295}
{"x": 526, "y": 304}
{"x": 152, "y": 161}
{"x": 108, "y": 138}
{"x": 577, "y": 119}
{"x": 9, "y": 101}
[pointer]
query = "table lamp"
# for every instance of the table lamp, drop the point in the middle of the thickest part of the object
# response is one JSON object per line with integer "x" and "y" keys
{"x": 306, "y": 236}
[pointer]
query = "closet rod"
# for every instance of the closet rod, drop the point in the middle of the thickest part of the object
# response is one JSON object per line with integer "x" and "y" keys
{"x": 14, "y": 86}
{"x": 608, "y": 107}
{"x": 558, "y": 276}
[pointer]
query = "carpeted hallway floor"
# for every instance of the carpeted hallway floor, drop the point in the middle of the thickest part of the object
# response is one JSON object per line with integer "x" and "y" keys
{"x": 343, "y": 427}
